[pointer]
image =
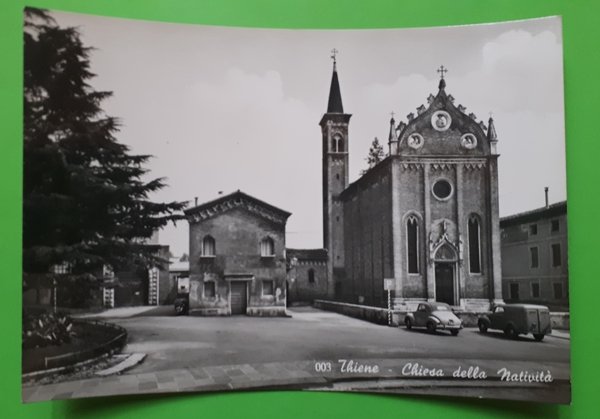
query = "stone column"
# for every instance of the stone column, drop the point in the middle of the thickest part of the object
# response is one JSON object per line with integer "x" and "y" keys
{"x": 396, "y": 230}
{"x": 496, "y": 268}
{"x": 460, "y": 228}
{"x": 429, "y": 266}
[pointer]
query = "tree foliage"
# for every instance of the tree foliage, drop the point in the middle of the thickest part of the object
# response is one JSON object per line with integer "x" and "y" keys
{"x": 85, "y": 197}
{"x": 376, "y": 154}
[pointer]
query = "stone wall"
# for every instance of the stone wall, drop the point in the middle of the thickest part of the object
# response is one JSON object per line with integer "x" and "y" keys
{"x": 379, "y": 315}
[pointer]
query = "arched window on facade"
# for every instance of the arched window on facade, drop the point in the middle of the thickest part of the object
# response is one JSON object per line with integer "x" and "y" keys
{"x": 267, "y": 247}
{"x": 208, "y": 246}
{"x": 337, "y": 144}
{"x": 412, "y": 244}
{"x": 311, "y": 276}
{"x": 474, "y": 245}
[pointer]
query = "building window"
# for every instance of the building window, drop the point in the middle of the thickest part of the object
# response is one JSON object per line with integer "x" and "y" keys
{"x": 337, "y": 144}
{"x": 267, "y": 247}
{"x": 556, "y": 255}
{"x": 442, "y": 189}
{"x": 208, "y": 247}
{"x": 533, "y": 229}
{"x": 558, "y": 290}
{"x": 267, "y": 288}
{"x": 535, "y": 290}
{"x": 514, "y": 291}
{"x": 554, "y": 226}
{"x": 209, "y": 290}
{"x": 412, "y": 244}
{"x": 474, "y": 245}
{"x": 311, "y": 276}
{"x": 533, "y": 257}
{"x": 107, "y": 271}
{"x": 61, "y": 268}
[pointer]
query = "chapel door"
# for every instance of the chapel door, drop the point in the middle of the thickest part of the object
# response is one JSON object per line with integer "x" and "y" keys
{"x": 444, "y": 283}
{"x": 239, "y": 297}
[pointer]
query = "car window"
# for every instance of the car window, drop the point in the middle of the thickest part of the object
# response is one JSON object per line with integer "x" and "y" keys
{"x": 499, "y": 310}
{"x": 421, "y": 308}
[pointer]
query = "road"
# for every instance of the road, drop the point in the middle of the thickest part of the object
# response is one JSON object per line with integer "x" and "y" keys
{"x": 190, "y": 353}
{"x": 172, "y": 342}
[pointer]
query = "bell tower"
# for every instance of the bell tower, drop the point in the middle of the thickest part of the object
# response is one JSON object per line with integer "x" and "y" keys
{"x": 334, "y": 129}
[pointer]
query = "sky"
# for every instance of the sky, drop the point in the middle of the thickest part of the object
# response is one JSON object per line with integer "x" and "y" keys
{"x": 224, "y": 108}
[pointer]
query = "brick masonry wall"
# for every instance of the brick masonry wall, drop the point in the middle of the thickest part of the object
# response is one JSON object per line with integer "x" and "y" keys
{"x": 300, "y": 289}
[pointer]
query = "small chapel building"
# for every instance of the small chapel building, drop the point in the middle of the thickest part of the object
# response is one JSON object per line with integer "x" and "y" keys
{"x": 237, "y": 259}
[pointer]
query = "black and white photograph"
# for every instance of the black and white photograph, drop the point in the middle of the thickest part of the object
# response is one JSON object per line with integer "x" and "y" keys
{"x": 215, "y": 209}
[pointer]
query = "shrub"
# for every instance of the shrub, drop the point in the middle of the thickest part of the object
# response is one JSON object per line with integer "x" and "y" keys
{"x": 46, "y": 329}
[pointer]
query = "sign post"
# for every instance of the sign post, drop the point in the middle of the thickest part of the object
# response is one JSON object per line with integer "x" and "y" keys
{"x": 388, "y": 285}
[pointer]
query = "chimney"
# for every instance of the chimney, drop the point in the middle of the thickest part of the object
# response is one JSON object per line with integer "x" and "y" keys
{"x": 195, "y": 201}
{"x": 546, "y": 194}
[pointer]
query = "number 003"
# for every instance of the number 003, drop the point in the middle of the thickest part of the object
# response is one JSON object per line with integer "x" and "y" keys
{"x": 322, "y": 366}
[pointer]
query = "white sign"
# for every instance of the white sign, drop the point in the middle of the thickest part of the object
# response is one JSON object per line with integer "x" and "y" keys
{"x": 388, "y": 284}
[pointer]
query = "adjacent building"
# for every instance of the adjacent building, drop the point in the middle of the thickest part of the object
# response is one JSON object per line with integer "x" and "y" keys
{"x": 307, "y": 275}
{"x": 237, "y": 261}
{"x": 534, "y": 256}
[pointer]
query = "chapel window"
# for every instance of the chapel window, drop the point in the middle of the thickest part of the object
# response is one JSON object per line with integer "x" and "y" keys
{"x": 267, "y": 288}
{"x": 209, "y": 289}
{"x": 267, "y": 247}
{"x": 208, "y": 246}
{"x": 311, "y": 276}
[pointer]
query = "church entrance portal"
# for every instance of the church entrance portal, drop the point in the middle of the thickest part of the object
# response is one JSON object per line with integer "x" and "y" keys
{"x": 444, "y": 282}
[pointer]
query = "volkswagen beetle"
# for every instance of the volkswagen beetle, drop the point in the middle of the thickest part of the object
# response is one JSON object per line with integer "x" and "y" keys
{"x": 518, "y": 319}
{"x": 434, "y": 316}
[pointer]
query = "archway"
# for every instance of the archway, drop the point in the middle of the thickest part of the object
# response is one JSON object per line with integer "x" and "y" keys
{"x": 445, "y": 261}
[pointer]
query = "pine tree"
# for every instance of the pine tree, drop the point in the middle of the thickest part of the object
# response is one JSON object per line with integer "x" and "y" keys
{"x": 376, "y": 154}
{"x": 85, "y": 202}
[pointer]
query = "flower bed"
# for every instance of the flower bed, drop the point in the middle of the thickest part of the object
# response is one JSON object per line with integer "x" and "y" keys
{"x": 88, "y": 340}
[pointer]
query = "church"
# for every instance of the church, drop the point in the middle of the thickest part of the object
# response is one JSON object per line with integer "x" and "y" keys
{"x": 425, "y": 219}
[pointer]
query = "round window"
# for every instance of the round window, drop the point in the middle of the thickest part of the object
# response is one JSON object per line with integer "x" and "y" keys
{"x": 442, "y": 189}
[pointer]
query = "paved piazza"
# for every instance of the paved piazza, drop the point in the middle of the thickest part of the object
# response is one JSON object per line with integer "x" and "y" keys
{"x": 189, "y": 353}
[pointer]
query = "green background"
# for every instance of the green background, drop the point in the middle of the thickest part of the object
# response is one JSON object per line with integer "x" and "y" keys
{"x": 581, "y": 25}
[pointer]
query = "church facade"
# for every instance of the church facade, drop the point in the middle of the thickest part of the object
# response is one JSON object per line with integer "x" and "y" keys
{"x": 426, "y": 217}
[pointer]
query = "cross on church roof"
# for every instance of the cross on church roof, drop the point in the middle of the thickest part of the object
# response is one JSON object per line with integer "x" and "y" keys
{"x": 334, "y": 53}
{"x": 442, "y": 70}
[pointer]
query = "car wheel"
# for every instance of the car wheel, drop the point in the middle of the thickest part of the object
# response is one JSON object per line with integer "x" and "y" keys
{"x": 510, "y": 332}
{"x": 454, "y": 332}
{"x": 408, "y": 323}
{"x": 430, "y": 327}
{"x": 482, "y": 326}
{"x": 538, "y": 337}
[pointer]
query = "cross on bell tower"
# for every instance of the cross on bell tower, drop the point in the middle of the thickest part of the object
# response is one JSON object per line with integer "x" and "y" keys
{"x": 334, "y": 129}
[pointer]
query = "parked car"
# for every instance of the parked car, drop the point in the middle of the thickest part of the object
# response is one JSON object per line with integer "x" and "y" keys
{"x": 182, "y": 304}
{"x": 434, "y": 316}
{"x": 518, "y": 319}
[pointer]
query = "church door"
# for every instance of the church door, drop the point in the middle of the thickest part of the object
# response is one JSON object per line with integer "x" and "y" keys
{"x": 239, "y": 298}
{"x": 444, "y": 283}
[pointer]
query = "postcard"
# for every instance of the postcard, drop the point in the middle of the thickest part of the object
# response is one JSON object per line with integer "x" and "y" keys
{"x": 219, "y": 209}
